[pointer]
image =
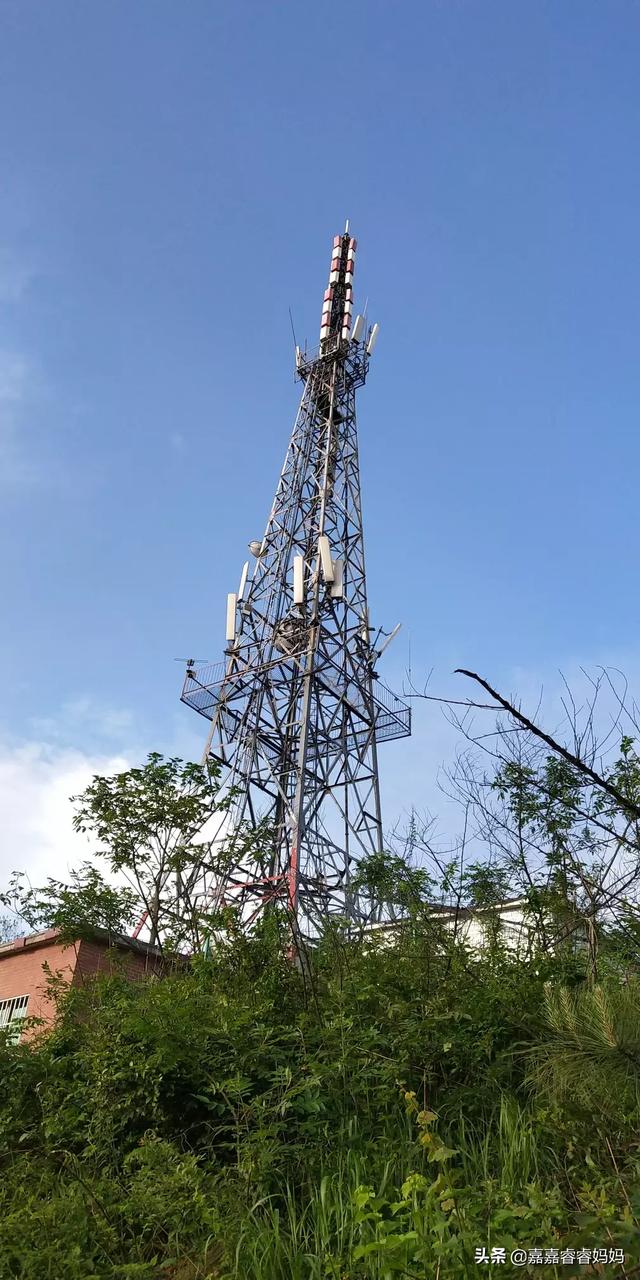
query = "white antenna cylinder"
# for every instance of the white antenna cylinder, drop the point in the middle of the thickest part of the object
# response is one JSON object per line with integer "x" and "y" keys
{"x": 232, "y": 601}
{"x": 243, "y": 579}
{"x": 358, "y": 326}
{"x": 338, "y": 575}
{"x": 298, "y": 579}
{"x": 325, "y": 557}
{"x": 373, "y": 338}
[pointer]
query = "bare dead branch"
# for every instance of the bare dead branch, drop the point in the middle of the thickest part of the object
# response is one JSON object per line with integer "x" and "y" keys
{"x": 574, "y": 760}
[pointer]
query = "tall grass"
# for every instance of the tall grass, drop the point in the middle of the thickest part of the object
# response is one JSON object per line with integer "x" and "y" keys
{"x": 290, "y": 1237}
{"x": 312, "y": 1236}
{"x": 505, "y": 1150}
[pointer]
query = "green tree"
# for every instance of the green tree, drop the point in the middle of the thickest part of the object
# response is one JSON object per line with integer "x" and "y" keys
{"x": 148, "y": 823}
{"x": 159, "y": 831}
{"x": 88, "y": 902}
{"x": 560, "y": 819}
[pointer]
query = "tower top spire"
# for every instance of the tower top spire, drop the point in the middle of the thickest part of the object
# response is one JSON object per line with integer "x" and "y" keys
{"x": 337, "y": 307}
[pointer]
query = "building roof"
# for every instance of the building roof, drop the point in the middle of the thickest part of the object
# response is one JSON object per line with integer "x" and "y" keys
{"x": 49, "y": 936}
{"x": 453, "y": 908}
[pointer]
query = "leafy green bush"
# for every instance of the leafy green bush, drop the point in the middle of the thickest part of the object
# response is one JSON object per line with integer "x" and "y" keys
{"x": 383, "y": 1112}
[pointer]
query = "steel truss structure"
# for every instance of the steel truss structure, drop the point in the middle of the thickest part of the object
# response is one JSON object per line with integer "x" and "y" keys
{"x": 297, "y": 710}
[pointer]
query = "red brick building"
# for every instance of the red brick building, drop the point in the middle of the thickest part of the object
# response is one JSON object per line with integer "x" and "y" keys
{"x": 23, "y": 979}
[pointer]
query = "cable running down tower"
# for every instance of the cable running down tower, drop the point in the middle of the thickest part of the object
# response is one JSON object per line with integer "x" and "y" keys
{"x": 297, "y": 710}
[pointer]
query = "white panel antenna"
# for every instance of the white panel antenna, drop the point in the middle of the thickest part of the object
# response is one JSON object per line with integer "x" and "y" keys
{"x": 373, "y": 338}
{"x": 298, "y": 579}
{"x": 325, "y": 558}
{"x": 232, "y": 601}
{"x": 338, "y": 576}
{"x": 243, "y": 580}
{"x": 358, "y": 326}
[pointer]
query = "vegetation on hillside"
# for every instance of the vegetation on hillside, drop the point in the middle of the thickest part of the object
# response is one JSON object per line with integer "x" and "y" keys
{"x": 386, "y": 1107}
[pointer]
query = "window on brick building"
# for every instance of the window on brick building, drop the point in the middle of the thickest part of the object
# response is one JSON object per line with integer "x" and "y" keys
{"x": 12, "y": 1013}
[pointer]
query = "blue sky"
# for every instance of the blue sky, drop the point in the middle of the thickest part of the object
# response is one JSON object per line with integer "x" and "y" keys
{"x": 173, "y": 174}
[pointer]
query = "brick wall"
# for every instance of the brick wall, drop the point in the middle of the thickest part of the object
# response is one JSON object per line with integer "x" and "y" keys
{"x": 22, "y": 968}
{"x": 94, "y": 957}
{"x": 21, "y": 974}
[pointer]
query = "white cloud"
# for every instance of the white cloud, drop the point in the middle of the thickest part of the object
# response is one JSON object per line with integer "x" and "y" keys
{"x": 41, "y": 771}
{"x": 36, "y": 781}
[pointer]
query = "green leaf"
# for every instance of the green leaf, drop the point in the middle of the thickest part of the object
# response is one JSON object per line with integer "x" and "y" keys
{"x": 415, "y": 1182}
{"x": 365, "y": 1250}
{"x": 442, "y": 1153}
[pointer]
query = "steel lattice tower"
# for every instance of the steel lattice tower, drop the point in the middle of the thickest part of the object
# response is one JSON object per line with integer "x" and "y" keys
{"x": 297, "y": 709}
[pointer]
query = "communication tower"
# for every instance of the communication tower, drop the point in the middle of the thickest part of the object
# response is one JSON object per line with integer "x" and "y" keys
{"x": 297, "y": 709}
